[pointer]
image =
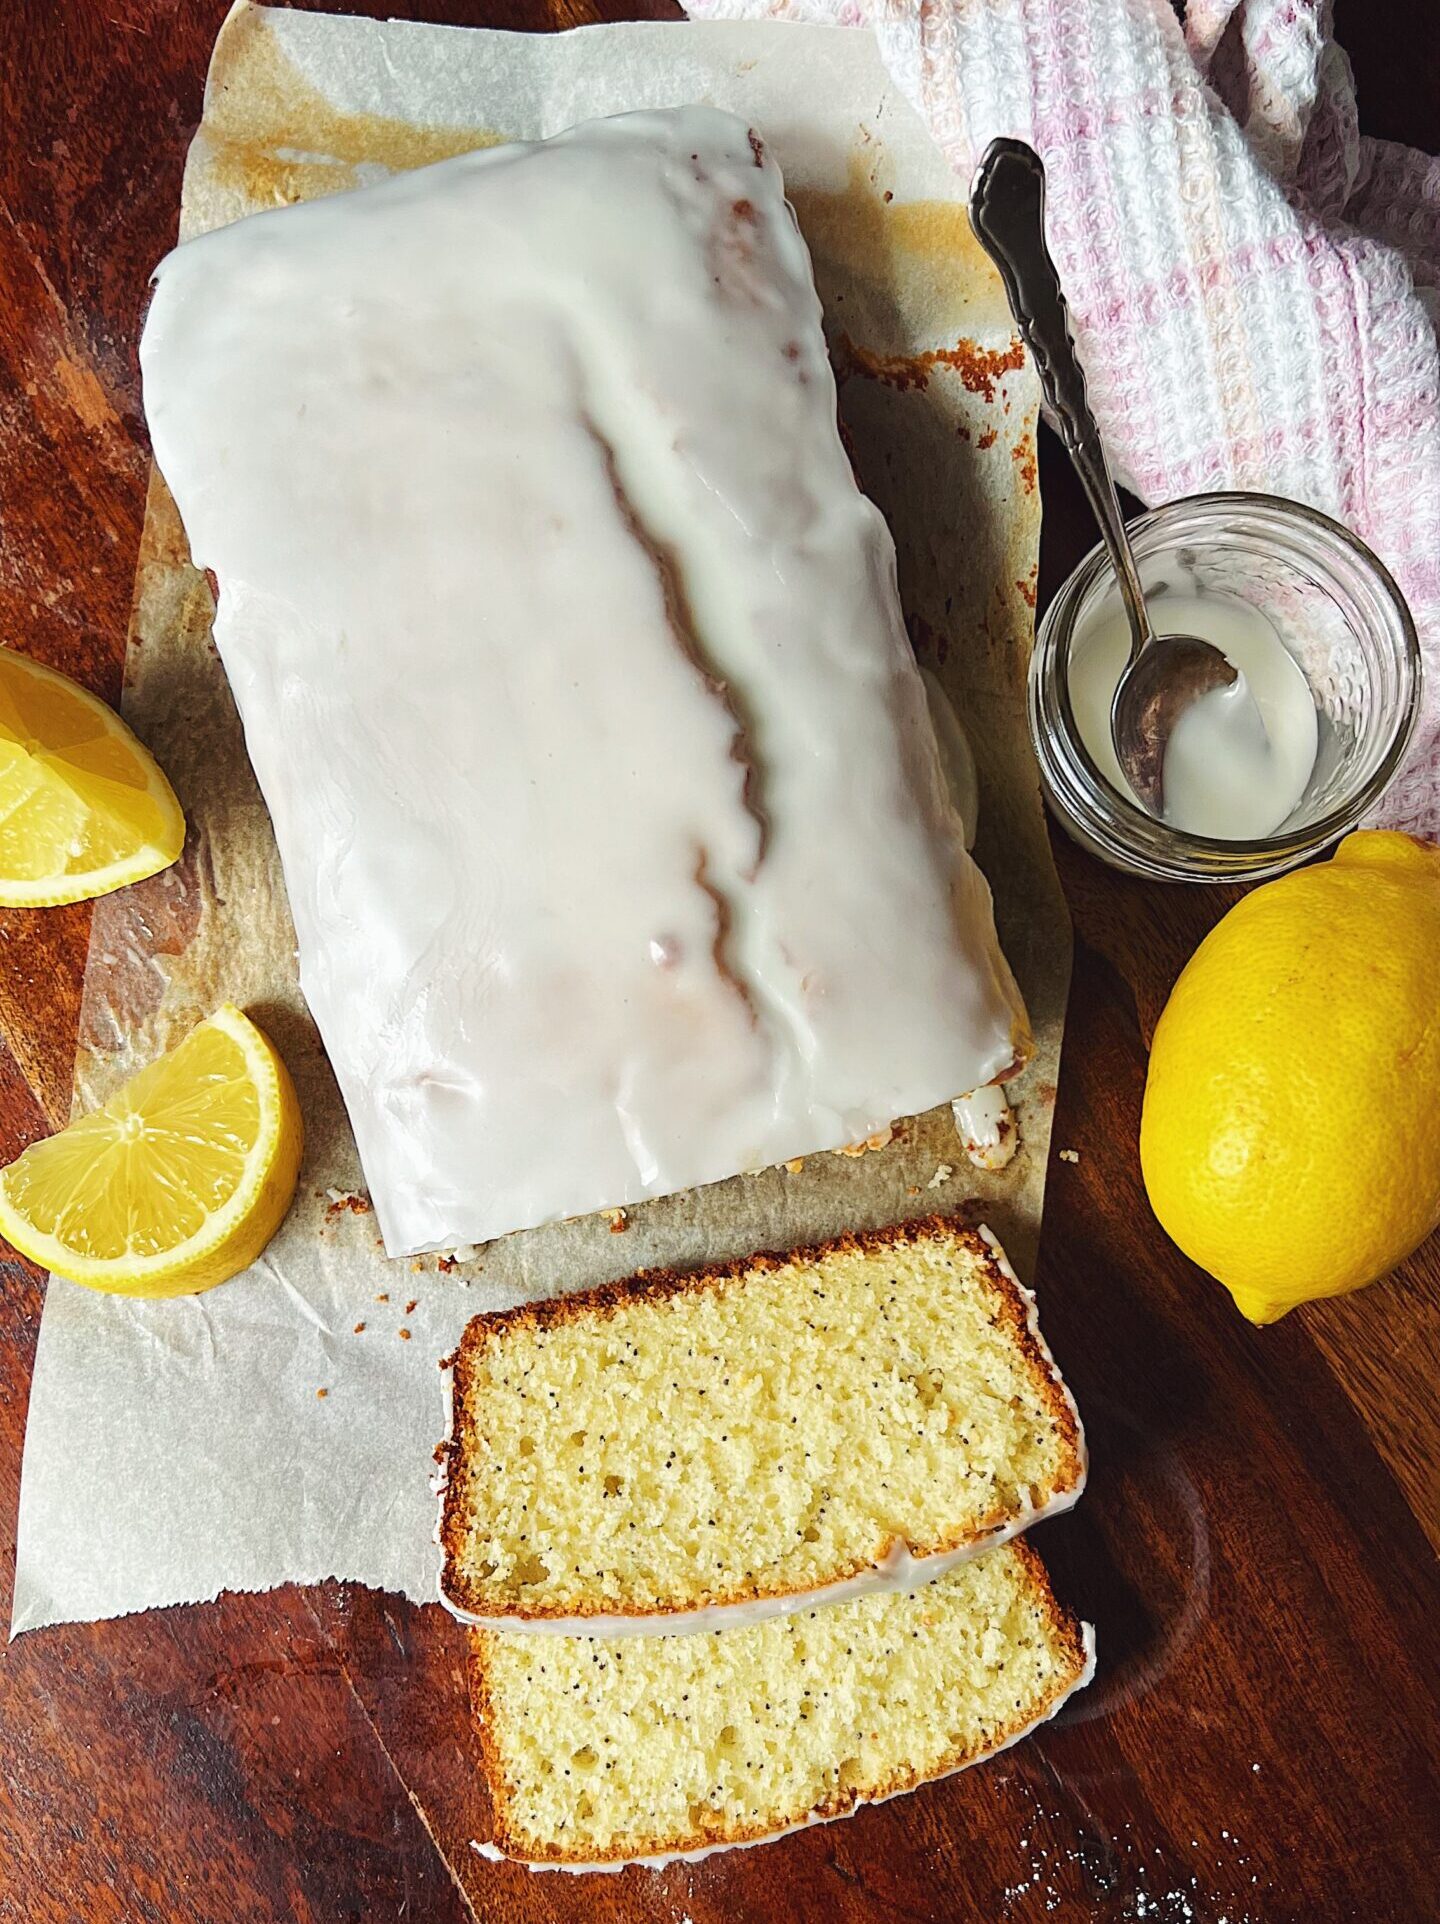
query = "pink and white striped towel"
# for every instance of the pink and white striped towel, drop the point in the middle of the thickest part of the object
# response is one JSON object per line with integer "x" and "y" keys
{"x": 1255, "y": 284}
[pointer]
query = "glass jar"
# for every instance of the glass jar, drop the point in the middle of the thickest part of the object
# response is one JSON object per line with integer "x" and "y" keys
{"x": 1338, "y": 613}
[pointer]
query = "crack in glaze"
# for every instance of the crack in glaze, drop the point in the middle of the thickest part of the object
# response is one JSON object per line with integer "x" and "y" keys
{"x": 720, "y": 948}
{"x": 680, "y": 618}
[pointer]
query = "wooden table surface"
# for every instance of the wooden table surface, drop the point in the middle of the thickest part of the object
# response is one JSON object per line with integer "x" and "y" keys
{"x": 1257, "y": 1546}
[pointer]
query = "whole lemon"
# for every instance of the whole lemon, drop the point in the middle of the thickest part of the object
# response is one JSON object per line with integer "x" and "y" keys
{"x": 1290, "y": 1139}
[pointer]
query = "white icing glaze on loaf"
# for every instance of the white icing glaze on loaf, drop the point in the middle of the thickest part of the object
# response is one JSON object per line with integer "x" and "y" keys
{"x": 573, "y": 673}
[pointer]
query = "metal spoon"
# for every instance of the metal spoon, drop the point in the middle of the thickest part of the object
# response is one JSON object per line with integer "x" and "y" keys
{"x": 1166, "y": 673}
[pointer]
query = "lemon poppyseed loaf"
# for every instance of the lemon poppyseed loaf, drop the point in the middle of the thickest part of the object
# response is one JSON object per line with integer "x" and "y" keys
{"x": 605, "y": 1750}
{"x": 556, "y": 621}
{"x": 679, "y": 1452}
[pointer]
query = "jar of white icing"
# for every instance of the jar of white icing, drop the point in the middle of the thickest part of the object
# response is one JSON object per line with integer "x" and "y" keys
{"x": 1258, "y": 779}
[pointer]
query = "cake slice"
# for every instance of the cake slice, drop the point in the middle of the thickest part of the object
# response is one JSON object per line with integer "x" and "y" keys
{"x": 760, "y": 1436}
{"x": 601, "y": 1751}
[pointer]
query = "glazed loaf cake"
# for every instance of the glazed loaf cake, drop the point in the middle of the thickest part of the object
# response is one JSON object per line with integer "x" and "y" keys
{"x": 682, "y": 1451}
{"x": 601, "y": 1751}
{"x": 574, "y": 676}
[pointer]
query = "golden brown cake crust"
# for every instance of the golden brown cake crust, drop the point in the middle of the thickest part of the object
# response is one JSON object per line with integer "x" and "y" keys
{"x": 1013, "y": 1313}
{"x": 1063, "y": 1626}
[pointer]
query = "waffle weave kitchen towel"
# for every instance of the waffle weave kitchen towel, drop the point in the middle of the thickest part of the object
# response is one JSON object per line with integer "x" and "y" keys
{"x": 1255, "y": 284}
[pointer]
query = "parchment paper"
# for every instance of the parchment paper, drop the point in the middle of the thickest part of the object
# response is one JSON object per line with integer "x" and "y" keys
{"x": 281, "y": 1427}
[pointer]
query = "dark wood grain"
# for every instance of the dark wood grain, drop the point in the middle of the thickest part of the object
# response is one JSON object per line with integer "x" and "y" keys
{"x": 1257, "y": 1545}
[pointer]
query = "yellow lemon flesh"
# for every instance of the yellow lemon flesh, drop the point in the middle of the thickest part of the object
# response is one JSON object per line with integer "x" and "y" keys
{"x": 1290, "y": 1139}
{"x": 84, "y": 809}
{"x": 178, "y": 1182}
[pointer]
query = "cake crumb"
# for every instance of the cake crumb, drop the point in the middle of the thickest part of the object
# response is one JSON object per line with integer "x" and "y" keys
{"x": 878, "y": 1141}
{"x": 795, "y": 1165}
{"x": 986, "y": 1126}
{"x": 404, "y": 1336}
{"x": 357, "y": 1329}
{"x": 1069, "y": 1155}
{"x": 412, "y": 1305}
{"x": 619, "y": 1221}
{"x": 345, "y": 1202}
{"x": 322, "y": 1392}
{"x": 447, "y": 1265}
{"x": 416, "y": 1265}
{"x": 383, "y": 1297}
{"x": 943, "y": 1172}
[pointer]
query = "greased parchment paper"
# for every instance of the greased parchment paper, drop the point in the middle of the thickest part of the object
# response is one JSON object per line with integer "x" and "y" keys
{"x": 280, "y": 1428}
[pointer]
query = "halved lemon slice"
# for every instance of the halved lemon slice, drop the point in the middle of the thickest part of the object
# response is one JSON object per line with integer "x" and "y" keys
{"x": 178, "y": 1182}
{"x": 84, "y": 808}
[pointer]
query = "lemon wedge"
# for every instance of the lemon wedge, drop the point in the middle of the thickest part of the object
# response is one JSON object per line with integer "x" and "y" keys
{"x": 178, "y": 1182}
{"x": 84, "y": 808}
